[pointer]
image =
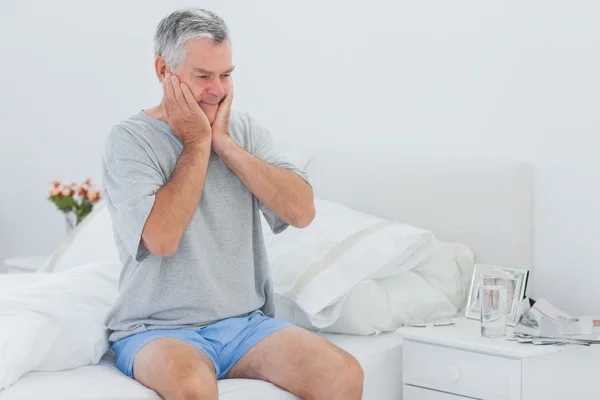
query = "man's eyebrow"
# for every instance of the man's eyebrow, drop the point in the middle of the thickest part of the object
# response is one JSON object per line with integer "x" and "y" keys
{"x": 207, "y": 72}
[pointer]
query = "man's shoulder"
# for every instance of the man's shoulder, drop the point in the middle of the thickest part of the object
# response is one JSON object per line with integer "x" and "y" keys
{"x": 243, "y": 127}
{"x": 127, "y": 135}
{"x": 132, "y": 127}
{"x": 239, "y": 121}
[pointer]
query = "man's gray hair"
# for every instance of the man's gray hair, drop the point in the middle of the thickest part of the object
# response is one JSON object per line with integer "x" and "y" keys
{"x": 183, "y": 25}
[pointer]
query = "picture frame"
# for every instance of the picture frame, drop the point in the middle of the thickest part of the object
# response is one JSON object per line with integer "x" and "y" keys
{"x": 517, "y": 280}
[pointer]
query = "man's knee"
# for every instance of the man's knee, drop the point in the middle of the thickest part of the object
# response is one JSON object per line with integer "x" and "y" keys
{"x": 176, "y": 370}
{"x": 352, "y": 375}
{"x": 194, "y": 381}
{"x": 194, "y": 387}
{"x": 345, "y": 382}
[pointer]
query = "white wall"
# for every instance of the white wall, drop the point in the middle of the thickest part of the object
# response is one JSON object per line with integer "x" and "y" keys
{"x": 499, "y": 79}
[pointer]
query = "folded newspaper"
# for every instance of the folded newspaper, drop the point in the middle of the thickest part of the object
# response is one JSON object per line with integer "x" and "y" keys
{"x": 543, "y": 323}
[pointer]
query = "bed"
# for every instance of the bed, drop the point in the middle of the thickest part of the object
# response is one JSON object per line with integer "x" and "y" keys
{"x": 485, "y": 204}
{"x": 380, "y": 357}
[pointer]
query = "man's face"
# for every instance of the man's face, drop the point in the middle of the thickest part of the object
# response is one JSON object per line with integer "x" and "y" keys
{"x": 207, "y": 71}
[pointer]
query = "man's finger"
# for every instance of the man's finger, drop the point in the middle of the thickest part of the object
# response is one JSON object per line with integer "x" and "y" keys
{"x": 188, "y": 96}
{"x": 181, "y": 102}
{"x": 171, "y": 101}
{"x": 165, "y": 102}
{"x": 225, "y": 107}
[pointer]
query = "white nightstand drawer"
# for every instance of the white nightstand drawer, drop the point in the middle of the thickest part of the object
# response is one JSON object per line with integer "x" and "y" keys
{"x": 417, "y": 393}
{"x": 25, "y": 264}
{"x": 461, "y": 372}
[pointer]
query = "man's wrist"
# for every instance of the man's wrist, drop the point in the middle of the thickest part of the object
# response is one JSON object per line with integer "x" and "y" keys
{"x": 223, "y": 145}
{"x": 198, "y": 146}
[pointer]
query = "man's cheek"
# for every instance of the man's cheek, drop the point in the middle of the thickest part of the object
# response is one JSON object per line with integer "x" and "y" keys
{"x": 196, "y": 93}
{"x": 193, "y": 88}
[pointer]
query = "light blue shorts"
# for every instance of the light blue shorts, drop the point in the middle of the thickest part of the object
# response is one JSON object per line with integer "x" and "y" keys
{"x": 224, "y": 342}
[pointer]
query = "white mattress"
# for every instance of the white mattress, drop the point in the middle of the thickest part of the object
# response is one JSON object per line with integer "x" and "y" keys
{"x": 380, "y": 357}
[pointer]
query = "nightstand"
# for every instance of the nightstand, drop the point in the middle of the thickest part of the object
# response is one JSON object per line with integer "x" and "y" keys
{"x": 455, "y": 362}
{"x": 25, "y": 264}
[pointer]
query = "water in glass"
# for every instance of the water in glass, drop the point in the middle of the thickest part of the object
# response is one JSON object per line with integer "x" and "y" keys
{"x": 493, "y": 295}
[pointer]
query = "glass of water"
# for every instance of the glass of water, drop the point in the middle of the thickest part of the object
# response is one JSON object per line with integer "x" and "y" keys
{"x": 494, "y": 301}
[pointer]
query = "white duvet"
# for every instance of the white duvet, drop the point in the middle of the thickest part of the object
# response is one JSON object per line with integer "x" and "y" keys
{"x": 57, "y": 322}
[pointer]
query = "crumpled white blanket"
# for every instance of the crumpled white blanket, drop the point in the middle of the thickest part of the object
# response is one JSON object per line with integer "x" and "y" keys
{"x": 356, "y": 273}
{"x": 56, "y": 322}
{"x": 316, "y": 267}
{"x": 437, "y": 287}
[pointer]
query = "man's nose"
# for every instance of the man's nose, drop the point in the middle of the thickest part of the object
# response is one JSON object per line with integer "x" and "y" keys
{"x": 217, "y": 89}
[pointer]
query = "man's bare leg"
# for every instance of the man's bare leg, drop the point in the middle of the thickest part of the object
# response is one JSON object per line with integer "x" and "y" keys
{"x": 304, "y": 364}
{"x": 176, "y": 370}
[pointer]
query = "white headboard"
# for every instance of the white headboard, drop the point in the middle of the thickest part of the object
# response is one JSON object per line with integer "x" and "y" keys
{"x": 485, "y": 204}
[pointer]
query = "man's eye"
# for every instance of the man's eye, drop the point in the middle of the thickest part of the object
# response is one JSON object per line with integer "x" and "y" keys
{"x": 203, "y": 77}
{"x": 226, "y": 75}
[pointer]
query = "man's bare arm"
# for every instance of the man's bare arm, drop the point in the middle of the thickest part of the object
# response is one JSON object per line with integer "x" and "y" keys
{"x": 282, "y": 191}
{"x": 176, "y": 202}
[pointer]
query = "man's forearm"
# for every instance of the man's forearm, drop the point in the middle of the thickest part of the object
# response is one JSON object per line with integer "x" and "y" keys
{"x": 176, "y": 202}
{"x": 282, "y": 191}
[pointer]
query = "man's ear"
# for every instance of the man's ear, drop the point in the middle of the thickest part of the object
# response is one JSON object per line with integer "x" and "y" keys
{"x": 161, "y": 68}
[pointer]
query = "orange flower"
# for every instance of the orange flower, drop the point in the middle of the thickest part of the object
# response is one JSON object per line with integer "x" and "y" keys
{"x": 55, "y": 192}
{"x": 94, "y": 195}
{"x": 55, "y": 183}
{"x": 66, "y": 192}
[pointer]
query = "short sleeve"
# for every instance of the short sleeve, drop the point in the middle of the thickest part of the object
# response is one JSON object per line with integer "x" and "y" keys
{"x": 263, "y": 147}
{"x": 130, "y": 182}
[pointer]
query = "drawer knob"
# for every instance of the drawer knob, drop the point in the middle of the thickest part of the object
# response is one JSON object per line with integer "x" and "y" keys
{"x": 453, "y": 373}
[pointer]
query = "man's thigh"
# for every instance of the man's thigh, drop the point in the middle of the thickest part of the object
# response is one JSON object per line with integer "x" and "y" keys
{"x": 174, "y": 367}
{"x": 302, "y": 363}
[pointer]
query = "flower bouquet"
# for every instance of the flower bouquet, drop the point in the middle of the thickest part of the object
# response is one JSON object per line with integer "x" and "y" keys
{"x": 76, "y": 201}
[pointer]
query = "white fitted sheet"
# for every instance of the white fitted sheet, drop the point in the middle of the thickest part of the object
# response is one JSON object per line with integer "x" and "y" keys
{"x": 379, "y": 356}
{"x": 381, "y": 360}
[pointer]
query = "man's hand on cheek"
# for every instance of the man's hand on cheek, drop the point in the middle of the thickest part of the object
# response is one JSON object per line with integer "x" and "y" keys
{"x": 186, "y": 119}
{"x": 220, "y": 126}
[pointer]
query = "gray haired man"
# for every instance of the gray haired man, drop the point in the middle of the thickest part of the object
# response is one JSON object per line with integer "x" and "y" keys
{"x": 185, "y": 182}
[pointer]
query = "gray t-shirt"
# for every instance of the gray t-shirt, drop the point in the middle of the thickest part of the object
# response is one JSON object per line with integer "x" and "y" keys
{"x": 220, "y": 268}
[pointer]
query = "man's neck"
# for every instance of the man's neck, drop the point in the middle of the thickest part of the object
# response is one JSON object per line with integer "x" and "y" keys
{"x": 156, "y": 112}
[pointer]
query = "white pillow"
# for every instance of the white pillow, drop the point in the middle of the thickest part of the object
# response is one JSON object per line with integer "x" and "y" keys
{"x": 91, "y": 241}
{"x": 318, "y": 266}
{"x": 436, "y": 288}
{"x": 57, "y": 322}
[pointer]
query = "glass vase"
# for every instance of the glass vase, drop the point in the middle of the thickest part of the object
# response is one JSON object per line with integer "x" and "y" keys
{"x": 71, "y": 222}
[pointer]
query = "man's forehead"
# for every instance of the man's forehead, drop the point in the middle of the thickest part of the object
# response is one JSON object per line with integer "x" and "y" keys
{"x": 203, "y": 56}
{"x": 208, "y": 72}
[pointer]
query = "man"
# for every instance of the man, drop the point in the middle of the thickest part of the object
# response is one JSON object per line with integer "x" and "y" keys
{"x": 185, "y": 183}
